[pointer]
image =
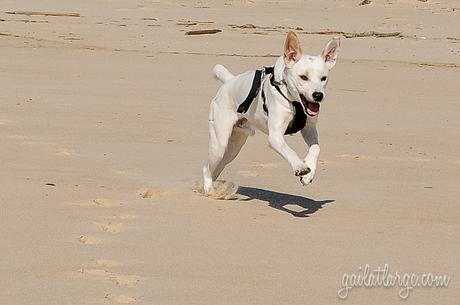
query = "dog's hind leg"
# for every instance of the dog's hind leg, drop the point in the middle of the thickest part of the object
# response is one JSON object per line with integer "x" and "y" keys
{"x": 235, "y": 143}
{"x": 220, "y": 130}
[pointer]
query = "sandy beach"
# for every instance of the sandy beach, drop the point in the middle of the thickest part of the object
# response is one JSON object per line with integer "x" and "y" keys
{"x": 103, "y": 124}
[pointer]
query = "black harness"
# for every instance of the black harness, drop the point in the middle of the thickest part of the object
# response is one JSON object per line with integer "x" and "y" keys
{"x": 300, "y": 117}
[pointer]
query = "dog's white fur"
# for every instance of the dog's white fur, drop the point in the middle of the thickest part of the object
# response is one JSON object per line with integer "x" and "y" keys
{"x": 302, "y": 75}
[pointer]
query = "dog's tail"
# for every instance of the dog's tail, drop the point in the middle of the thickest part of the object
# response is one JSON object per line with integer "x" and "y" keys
{"x": 222, "y": 73}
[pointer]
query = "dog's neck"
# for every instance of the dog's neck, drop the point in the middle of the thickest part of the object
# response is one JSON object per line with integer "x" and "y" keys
{"x": 278, "y": 72}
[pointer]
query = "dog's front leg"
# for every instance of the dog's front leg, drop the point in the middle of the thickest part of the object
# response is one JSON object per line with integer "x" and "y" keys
{"x": 310, "y": 135}
{"x": 276, "y": 128}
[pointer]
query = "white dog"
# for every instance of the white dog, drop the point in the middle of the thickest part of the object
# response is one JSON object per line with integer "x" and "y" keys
{"x": 278, "y": 100}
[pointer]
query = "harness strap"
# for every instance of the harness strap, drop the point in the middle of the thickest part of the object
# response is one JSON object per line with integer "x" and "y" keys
{"x": 300, "y": 118}
{"x": 264, "y": 105}
{"x": 299, "y": 121}
{"x": 244, "y": 106}
{"x": 271, "y": 70}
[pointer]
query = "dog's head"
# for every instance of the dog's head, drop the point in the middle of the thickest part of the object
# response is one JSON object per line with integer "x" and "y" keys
{"x": 307, "y": 75}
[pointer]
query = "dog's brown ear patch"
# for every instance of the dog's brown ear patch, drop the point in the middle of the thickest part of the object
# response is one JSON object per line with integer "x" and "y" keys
{"x": 292, "y": 49}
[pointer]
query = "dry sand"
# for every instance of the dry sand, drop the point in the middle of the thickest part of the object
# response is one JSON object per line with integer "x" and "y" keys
{"x": 103, "y": 125}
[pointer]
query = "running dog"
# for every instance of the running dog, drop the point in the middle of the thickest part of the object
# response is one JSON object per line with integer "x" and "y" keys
{"x": 277, "y": 100}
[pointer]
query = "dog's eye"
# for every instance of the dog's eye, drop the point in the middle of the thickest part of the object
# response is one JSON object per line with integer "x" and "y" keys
{"x": 304, "y": 77}
{"x": 323, "y": 79}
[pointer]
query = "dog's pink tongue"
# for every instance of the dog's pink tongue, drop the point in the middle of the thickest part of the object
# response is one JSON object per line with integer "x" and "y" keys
{"x": 312, "y": 108}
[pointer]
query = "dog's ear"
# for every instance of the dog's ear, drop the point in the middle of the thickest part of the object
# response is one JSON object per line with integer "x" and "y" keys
{"x": 292, "y": 50}
{"x": 331, "y": 51}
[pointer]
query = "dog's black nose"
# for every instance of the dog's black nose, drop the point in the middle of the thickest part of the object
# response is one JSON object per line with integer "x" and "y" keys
{"x": 318, "y": 96}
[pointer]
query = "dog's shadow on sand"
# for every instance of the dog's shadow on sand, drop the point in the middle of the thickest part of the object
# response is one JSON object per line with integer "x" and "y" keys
{"x": 280, "y": 201}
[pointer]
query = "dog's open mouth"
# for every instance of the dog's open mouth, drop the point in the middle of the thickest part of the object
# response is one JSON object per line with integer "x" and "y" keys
{"x": 311, "y": 108}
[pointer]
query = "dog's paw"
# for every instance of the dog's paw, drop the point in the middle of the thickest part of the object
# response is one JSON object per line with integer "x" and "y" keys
{"x": 223, "y": 190}
{"x": 310, "y": 162}
{"x": 302, "y": 171}
{"x": 308, "y": 178}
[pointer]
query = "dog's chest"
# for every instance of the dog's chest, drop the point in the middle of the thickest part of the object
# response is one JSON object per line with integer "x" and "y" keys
{"x": 299, "y": 119}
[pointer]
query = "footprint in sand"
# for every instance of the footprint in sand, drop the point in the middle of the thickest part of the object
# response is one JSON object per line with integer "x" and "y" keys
{"x": 96, "y": 272}
{"x": 126, "y": 280}
{"x": 61, "y": 151}
{"x": 121, "y": 299}
{"x": 343, "y": 156}
{"x": 97, "y": 268}
{"x": 266, "y": 165}
{"x": 111, "y": 227}
{"x": 88, "y": 240}
{"x": 107, "y": 263}
{"x": 106, "y": 203}
{"x": 150, "y": 194}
